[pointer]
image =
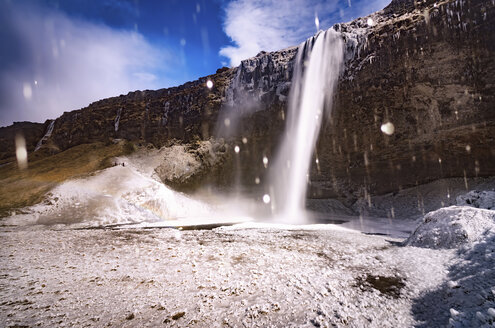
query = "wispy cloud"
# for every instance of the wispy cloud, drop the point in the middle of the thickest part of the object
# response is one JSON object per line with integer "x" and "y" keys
{"x": 56, "y": 63}
{"x": 255, "y": 25}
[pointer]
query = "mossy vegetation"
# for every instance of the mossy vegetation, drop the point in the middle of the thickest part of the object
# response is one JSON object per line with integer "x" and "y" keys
{"x": 20, "y": 188}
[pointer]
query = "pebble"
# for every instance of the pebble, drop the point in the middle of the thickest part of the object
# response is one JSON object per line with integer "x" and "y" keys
{"x": 453, "y": 313}
{"x": 178, "y": 315}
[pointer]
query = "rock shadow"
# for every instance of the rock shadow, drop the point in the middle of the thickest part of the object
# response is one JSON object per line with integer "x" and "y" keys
{"x": 470, "y": 289}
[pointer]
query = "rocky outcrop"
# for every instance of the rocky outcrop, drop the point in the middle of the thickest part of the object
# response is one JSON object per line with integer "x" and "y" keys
{"x": 427, "y": 67}
{"x": 183, "y": 167}
{"x": 32, "y": 133}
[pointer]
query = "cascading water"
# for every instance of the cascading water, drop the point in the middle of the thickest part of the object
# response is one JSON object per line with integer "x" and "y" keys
{"x": 117, "y": 120}
{"x": 316, "y": 73}
{"x": 47, "y": 135}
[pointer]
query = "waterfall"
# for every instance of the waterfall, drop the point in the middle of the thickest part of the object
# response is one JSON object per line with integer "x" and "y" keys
{"x": 117, "y": 119}
{"x": 47, "y": 135}
{"x": 315, "y": 77}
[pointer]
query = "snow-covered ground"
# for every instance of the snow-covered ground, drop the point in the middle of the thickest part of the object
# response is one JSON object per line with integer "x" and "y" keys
{"x": 237, "y": 276}
{"x": 108, "y": 249}
{"x": 247, "y": 275}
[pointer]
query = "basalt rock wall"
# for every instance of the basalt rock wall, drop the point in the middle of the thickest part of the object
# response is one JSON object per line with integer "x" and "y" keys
{"x": 430, "y": 72}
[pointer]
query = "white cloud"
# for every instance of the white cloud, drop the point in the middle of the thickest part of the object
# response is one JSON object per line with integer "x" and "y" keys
{"x": 255, "y": 25}
{"x": 73, "y": 62}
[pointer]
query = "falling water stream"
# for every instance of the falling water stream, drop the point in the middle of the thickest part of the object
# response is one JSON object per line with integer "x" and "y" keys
{"x": 315, "y": 77}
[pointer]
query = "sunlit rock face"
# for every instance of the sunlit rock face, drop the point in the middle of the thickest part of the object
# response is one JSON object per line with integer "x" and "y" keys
{"x": 187, "y": 167}
{"x": 186, "y": 113}
{"x": 427, "y": 69}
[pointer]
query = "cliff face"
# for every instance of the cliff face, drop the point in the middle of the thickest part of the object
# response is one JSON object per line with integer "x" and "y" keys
{"x": 185, "y": 113}
{"x": 428, "y": 68}
{"x": 429, "y": 71}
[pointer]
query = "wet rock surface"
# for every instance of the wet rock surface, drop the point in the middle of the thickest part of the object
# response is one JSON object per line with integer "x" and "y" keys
{"x": 428, "y": 71}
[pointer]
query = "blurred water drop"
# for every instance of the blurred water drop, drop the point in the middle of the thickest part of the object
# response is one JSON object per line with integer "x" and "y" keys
{"x": 265, "y": 161}
{"x": 317, "y": 23}
{"x": 209, "y": 84}
{"x": 237, "y": 149}
{"x": 244, "y": 140}
{"x": 257, "y": 180}
{"x": 183, "y": 42}
{"x": 177, "y": 234}
{"x": 468, "y": 148}
{"x": 370, "y": 22}
{"x": 27, "y": 91}
{"x": 226, "y": 122}
{"x": 388, "y": 128}
{"x": 21, "y": 152}
{"x": 266, "y": 198}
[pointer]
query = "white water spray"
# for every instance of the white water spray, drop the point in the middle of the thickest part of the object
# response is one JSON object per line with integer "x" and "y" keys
{"x": 47, "y": 135}
{"x": 316, "y": 73}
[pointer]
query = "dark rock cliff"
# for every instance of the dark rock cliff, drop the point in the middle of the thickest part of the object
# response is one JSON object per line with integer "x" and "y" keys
{"x": 32, "y": 132}
{"x": 429, "y": 71}
{"x": 428, "y": 67}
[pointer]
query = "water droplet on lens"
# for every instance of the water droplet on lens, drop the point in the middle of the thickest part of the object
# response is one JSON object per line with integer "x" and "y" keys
{"x": 27, "y": 91}
{"x": 266, "y": 198}
{"x": 388, "y": 128}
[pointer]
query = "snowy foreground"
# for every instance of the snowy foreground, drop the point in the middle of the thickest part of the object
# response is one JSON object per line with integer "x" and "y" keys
{"x": 240, "y": 276}
{"x": 102, "y": 251}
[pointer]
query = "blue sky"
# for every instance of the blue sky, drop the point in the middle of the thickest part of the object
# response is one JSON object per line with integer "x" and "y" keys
{"x": 60, "y": 55}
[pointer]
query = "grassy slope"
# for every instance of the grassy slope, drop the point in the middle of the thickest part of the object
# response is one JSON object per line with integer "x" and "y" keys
{"x": 19, "y": 188}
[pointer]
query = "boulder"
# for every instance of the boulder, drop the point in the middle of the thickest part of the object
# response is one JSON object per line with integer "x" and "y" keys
{"x": 478, "y": 199}
{"x": 451, "y": 227}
